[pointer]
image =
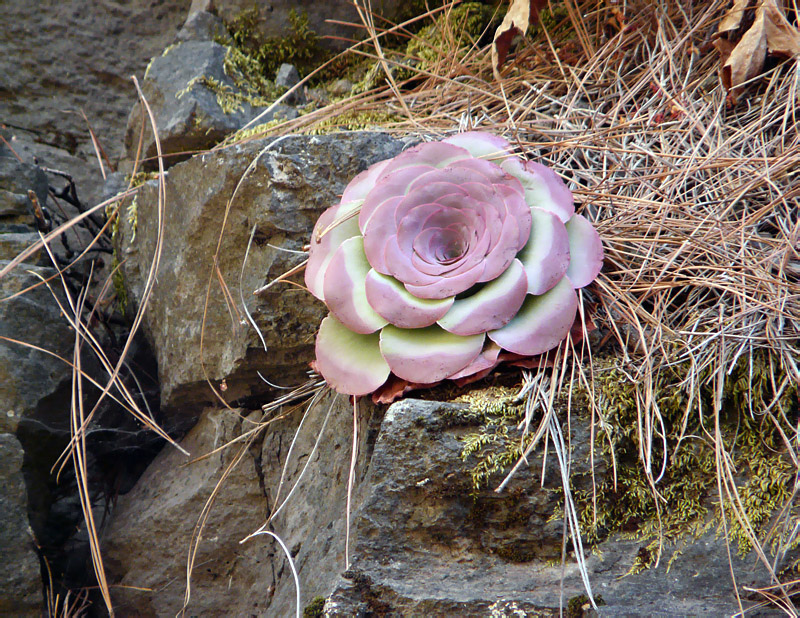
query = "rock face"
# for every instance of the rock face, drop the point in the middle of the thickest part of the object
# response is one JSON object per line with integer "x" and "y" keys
{"x": 195, "y": 102}
{"x": 230, "y": 578}
{"x": 274, "y": 16}
{"x": 292, "y": 181}
{"x": 53, "y": 63}
{"x": 422, "y": 543}
{"x": 20, "y": 581}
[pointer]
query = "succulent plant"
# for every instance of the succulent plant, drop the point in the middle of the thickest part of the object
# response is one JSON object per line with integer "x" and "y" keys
{"x": 437, "y": 260}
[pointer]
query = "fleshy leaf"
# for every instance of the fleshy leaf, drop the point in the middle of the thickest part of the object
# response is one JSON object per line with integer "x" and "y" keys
{"x": 391, "y": 300}
{"x": 349, "y": 362}
{"x": 491, "y": 307}
{"x": 543, "y": 187}
{"x": 333, "y": 227}
{"x": 358, "y": 188}
{"x": 586, "y": 251}
{"x": 344, "y": 288}
{"x": 547, "y": 254}
{"x": 482, "y": 145}
{"x": 486, "y": 360}
{"x": 542, "y": 322}
{"x": 429, "y": 354}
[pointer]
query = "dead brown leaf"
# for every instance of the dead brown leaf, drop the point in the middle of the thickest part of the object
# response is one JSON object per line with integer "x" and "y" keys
{"x": 519, "y": 16}
{"x": 770, "y": 34}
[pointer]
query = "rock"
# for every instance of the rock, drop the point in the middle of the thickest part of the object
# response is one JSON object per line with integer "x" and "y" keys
{"x": 51, "y": 67}
{"x": 12, "y": 244}
{"x": 21, "y": 591}
{"x": 341, "y": 87}
{"x": 85, "y": 173}
{"x": 16, "y": 208}
{"x": 195, "y": 103}
{"x": 274, "y": 17}
{"x": 288, "y": 77}
{"x": 203, "y": 26}
{"x": 230, "y": 578}
{"x": 422, "y": 541}
{"x": 425, "y": 546}
{"x": 292, "y": 182}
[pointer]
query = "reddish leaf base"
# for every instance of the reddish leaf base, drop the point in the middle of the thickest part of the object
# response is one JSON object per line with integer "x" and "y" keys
{"x": 395, "y": 387}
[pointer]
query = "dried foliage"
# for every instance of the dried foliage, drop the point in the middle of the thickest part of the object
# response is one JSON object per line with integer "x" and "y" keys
{"x": 695, "y": 196}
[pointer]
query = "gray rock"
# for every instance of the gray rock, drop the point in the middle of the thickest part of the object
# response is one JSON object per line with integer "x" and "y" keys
{"x": 422, "y": 542}
{"x": 16, "y": 208}
{"x": 425, "y": 546}
{"x": 12, "y": 244}
{"x": 203, "y": 26}
{"x": 341, "y": 87}
{"x": 288, "y": 77}
{"x": 53, "y": 65}
{"x": 230, "y": 578}
{"x": 291, "y": 184}
{"x": 322, "y": 15}
{"x": 21, "y": 589}
{"x": 194, "y": 101}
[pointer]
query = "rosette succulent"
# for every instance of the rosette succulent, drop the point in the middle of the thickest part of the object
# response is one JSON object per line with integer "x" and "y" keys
{"x": 436, "y": 261}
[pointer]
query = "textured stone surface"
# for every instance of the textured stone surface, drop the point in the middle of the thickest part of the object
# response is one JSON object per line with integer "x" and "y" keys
{"x": 20, "y": 579}
{"x": 57, "y": 58}
{"x": 232, "y": 578}
{"x": 182, "y": 86}
{"x": 291, "y": 184}
{"x": 421, "y": 542}
{"x": 16, "y": 179}
{"x": 322, "y": 15}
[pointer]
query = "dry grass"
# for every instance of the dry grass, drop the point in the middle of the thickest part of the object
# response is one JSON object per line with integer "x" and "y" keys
{"x": 696, "y": 200}
{"x": 695, "y": 197}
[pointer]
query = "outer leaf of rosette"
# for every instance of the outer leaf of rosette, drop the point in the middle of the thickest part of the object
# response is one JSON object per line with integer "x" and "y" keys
{"x": 391, "y": 300}
{"x": 482, "y": 145}
{"x": 426, "y": 355}
{"x": 334, "y": 226}
{"x": 547, "y": 253}
{"x": 350, "y": 363}
{"x": 543, "y": 187}
{"x": 344, "y": 288}
{"x": 586, "y": 251}
{"x": 542, "y": 323}
{"x": 494, "y": 305}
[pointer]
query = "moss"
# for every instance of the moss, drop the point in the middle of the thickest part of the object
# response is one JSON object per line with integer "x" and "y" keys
{"x": 688, "y": 504}
{"x": 315, "y": 608}
{"x": 466, "y": 22}
{"x": 497, "y": 444}
{"x": 299, "y": 47}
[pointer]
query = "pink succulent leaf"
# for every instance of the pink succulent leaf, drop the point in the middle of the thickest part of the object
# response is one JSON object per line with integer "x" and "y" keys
{"x": 444, "y": 287}
{"x": 334, "y": 226}
{"x": 390, "y": 186}
{"x": 547, "y": 254}
{"x": 486, "y": 360}
{"x": 362, "y": 184}
{"x": 482, "y": 145}
{"x": 491, "y": 307}
{"x": 379, "y": 230}
{"x": 453, "y": 241}
{"x": 542, "y": 322}
{"x": 543, "y": 187}
{"x": 427, "y": 354}
{"x": 344, "y": 288}
{"x": 351, "y": 363}
{"x": 392, "y": 301}
{"x": 434, "y": 154}
{"x": 586, "y": 251}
